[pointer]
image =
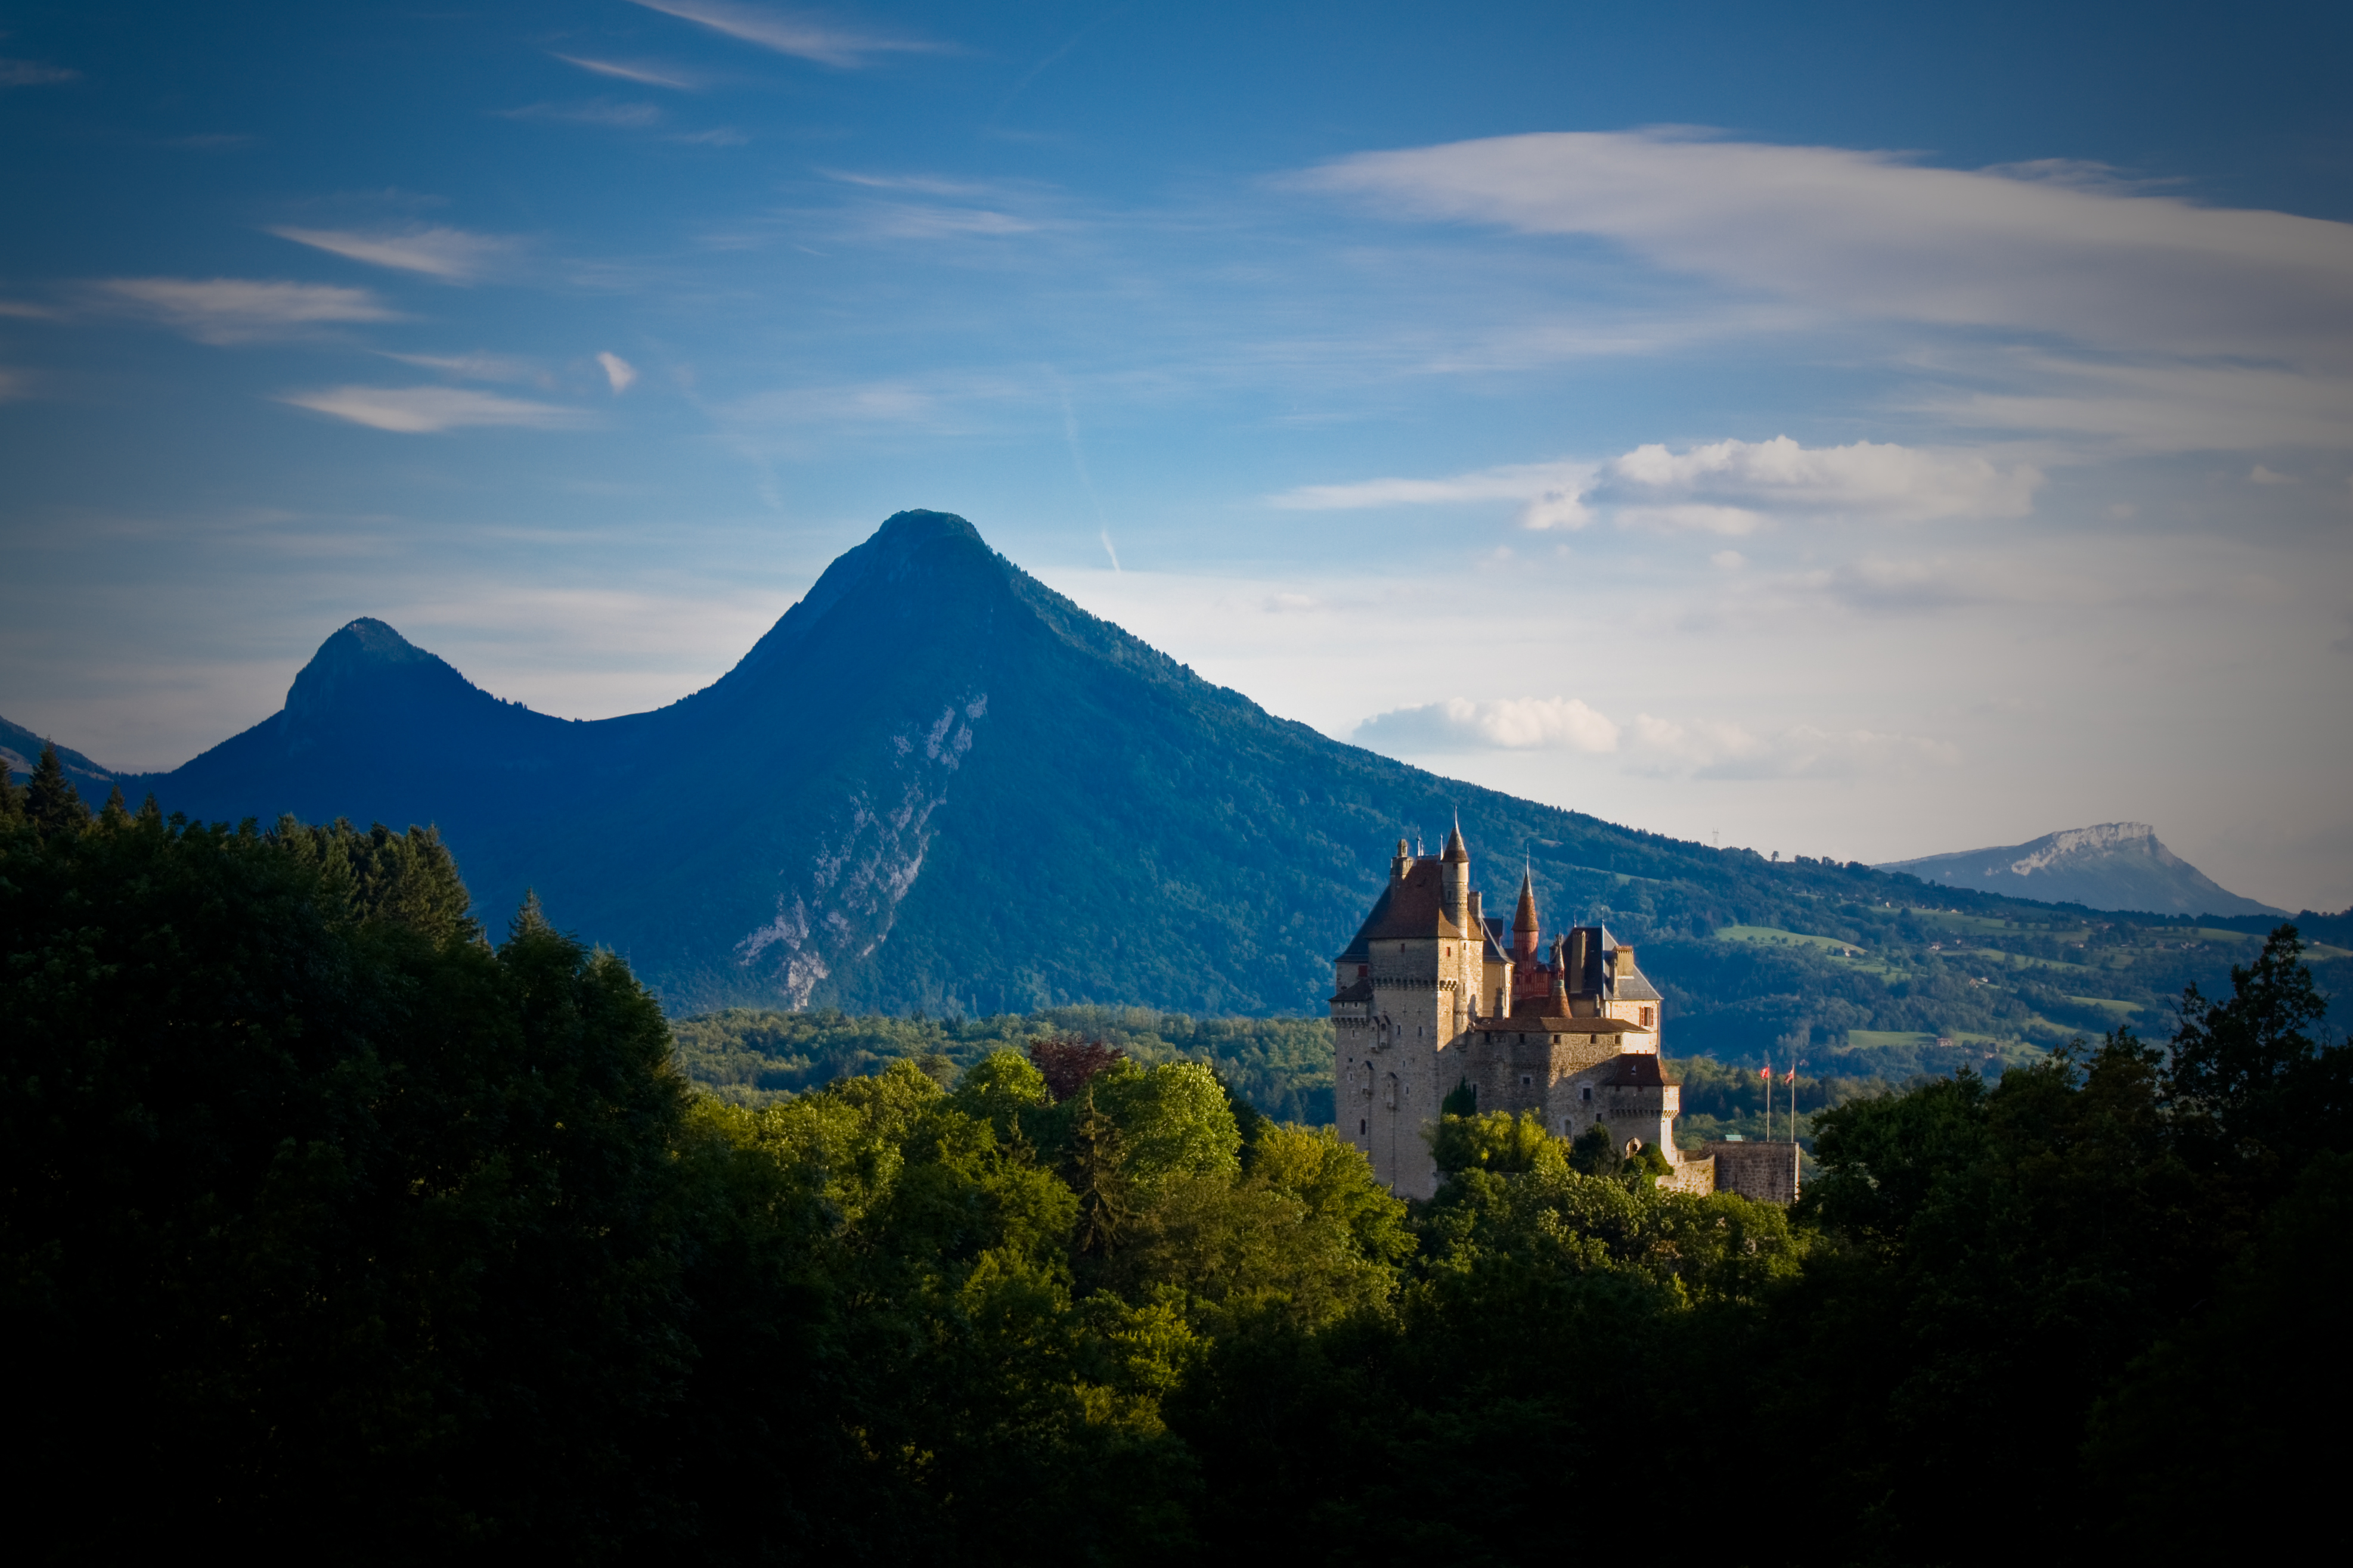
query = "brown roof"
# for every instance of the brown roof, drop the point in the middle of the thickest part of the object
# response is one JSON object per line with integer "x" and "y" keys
{"x": 1410, "y": 907}
{"x": 1553, "y": 1023}
{"x": 1524, "y": 917}
{"x": 1359, "y": 991}
{"x": 1637, "y": 1069}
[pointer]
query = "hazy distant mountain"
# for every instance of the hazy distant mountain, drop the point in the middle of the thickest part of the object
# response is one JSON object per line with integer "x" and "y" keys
{"x": 2115, "y": 866}
{"x": 20, "y": 749}
{"x": 937, "y": 785}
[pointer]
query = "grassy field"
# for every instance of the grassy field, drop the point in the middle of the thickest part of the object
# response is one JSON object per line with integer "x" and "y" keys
{"x": 1828, "y": 946}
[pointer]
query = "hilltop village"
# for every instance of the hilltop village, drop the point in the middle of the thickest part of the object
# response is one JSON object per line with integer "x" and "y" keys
{"x": 1434, "y": 995}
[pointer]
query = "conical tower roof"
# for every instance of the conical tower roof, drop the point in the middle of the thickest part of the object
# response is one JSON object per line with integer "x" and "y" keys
{"x": 1455, "y": 850}
{"x": 1525, "y": 919}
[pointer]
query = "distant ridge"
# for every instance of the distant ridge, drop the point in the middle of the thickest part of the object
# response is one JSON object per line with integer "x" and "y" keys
{"x": 20, "y": 749}
{"x": 2118, "y": 866}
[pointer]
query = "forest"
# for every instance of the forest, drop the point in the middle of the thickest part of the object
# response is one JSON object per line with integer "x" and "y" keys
{"x": 336, "y": 1224}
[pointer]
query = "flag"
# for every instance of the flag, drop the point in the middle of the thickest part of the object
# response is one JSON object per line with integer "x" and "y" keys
{"x": 1766, "y": 1071}
{"x": 1792, "y": 1076}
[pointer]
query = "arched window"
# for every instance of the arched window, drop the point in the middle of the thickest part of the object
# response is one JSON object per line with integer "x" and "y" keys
{"x": 1393, "y": 1092}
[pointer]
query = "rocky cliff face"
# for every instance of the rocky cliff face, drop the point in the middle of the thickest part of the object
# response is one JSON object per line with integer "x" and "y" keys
{"x": 2117, "y": 866}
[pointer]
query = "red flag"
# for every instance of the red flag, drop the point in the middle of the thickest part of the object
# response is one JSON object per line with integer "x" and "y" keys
{"x": 1789, "y": 1077}
{"x": 1764, "y": 1072}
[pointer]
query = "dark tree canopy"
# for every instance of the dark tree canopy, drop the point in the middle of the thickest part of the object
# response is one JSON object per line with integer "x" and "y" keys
{"x": 336, "y": 1229}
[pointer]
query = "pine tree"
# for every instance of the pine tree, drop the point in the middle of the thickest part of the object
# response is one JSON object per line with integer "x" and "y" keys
{"x": 1096, "y": 1175}
{"x": 53, "y": 802}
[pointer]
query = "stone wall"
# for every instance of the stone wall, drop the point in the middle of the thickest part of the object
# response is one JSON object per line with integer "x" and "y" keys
{"x": 1696, "y": 1177}
{"x": 1767, "y": 1173}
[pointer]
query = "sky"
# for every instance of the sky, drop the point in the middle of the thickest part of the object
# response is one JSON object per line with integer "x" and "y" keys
{"x": 1848, "y": 430}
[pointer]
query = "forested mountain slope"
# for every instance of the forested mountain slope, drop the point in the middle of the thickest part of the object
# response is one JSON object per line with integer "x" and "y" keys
{"x": 937, "y": 785}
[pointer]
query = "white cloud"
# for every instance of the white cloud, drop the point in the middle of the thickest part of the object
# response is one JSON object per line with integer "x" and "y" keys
{"x": 475, "y": 366}
{"x": 1721, "y": 750}
{"x": 2157, "y": 408}
{"x": 32, "y": 73}
{"x": 449, "y": 254}
{"x": 617, "y": 371}
{"x": 2263, "y": 476}
{"x": 1549, "y": 493}
{"x": 801, "y": 36}
{"x": 1727, "y": 488}
{"x": 238, "y": 309}
{"x": 666, "y": 77}
{"x": 600, "y": 111}
{"x": 422, "y": 410}
{"x": 1516, "y": 724}
{"x": 1873, "y": 234}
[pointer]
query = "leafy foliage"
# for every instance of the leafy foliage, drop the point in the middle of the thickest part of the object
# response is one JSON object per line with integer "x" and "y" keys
{"x": 345, "y": 1232}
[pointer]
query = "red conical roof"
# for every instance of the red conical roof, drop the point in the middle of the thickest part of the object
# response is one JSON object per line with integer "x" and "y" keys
{"x": 1525, "y": 919}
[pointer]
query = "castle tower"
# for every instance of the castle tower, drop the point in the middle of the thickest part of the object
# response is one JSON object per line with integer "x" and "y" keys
{"x": 1404, "y": 992}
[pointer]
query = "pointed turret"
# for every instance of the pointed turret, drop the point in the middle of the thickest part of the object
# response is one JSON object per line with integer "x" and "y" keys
{"x": 1454, "y": 878}
{"x": 1525, "y": 924}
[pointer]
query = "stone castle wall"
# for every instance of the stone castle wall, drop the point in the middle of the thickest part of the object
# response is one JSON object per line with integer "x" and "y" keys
{"x": 1767, "y": 1173}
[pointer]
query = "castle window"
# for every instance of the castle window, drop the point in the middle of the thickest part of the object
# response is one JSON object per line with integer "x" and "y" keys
{"x": 1588, "y": 1094}
{"x": 1362, "y": 1124}
{"x": 1526, "y": 1079}
{"x": 1646, "y": 1017}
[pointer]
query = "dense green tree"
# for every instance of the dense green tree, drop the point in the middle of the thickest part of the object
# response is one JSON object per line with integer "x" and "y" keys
{"x": 51, "y": 800}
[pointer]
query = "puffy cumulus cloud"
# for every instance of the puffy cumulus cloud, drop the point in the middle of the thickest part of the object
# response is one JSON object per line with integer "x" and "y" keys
{"x": 1515, "y": 724}
{"x": 424, "y": 410}
{"x": 452, "y": 255}
{"x": 787, "y": 33}
{"x": 1663, "y": 748}
{"x": 2035, "y": 249}
{"x": 1725, "y": 488}
{"x": 238, "y": 309}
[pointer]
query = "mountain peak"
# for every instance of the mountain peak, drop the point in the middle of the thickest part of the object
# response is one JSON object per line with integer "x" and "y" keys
{"x": 358, "y": 650}
{"x": 2109, "y": 866}
{"x": 912, "y": 530}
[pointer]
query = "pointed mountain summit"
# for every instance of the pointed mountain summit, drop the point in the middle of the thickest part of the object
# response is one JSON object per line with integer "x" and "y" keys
{"x": 937, "y": 783}
{"x": 2119, "y": 866}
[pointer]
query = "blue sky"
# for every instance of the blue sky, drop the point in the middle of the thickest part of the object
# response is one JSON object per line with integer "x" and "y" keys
{"x": 1846, "y": 430}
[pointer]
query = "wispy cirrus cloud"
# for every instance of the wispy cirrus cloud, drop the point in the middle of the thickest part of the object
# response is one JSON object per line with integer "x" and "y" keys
{"x": 452, "y": 255}
{"x": 1728, "y": 488}
{"x": 649, "y": 76}
{"x": 427, "y": 410}
{"x": 226, "y": 310}
{"x": 34, "y": 73}
{"x": 1873, "y": 234}
{"x": 797, "y": 34}
{"x": 597, "y": 111}
{"x": 477, "y": 366}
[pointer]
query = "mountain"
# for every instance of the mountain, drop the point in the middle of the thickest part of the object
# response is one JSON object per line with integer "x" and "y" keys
{"x": 2115, "y": 866}
{"x": 20, "y": 749}
{"x": 937, "y": 785}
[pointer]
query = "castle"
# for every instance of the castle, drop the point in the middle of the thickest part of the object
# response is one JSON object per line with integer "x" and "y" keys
{"x": 1434, "y": 994}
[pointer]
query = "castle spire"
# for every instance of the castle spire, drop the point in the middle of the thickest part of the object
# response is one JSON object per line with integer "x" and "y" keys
{"x": 1525, "y": 924}
{"x": 1454, "y": 878}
